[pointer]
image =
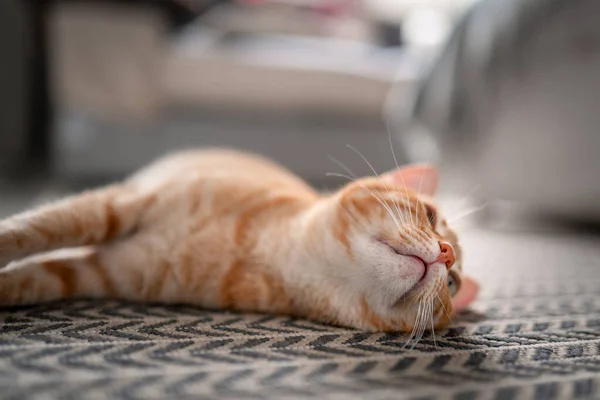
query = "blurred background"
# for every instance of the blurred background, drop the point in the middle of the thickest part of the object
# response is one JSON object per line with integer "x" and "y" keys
{"x": 502, "y": 94}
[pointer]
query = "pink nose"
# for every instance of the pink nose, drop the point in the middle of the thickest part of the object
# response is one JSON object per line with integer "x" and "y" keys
{"x": 446, "y": 255}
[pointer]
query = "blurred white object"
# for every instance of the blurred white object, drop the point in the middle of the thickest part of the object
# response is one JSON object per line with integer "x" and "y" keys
{"x": 425, "y": 22}
{"x": 397, "y": 9}
{"x": 295, "y": 99}
{"x": 426, "y": 27}
{"x": 512, "y": 102}
{"x": 116, "y": 61}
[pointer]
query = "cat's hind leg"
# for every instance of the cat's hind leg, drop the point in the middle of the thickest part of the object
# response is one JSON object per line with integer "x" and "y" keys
{"x": 54, "y": 276}
{"x": 90, "y": 218}
{"x": 135, "y": 268}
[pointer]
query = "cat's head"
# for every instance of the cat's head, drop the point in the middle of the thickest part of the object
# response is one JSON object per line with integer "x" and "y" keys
{"x": 398, "y": 251}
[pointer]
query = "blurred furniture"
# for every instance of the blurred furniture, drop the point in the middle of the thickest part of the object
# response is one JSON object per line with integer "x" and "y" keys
{"x": 26, "y": 102}
{"x": 512, "y": 102}
{"x": 12, "y": 80}
{"x": 126, "y": 92}
{"x": 23, "y": 80}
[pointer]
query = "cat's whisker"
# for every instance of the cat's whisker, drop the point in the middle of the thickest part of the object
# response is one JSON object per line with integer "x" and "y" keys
{"x": 405, "y": 200}
{"x": 356, "y": 220}
{"x": 416, "y": 216}
{"x": 388, "y": 209}
{"x": 444, "y": 308}
{"x": 465, "y": 214}
{"x": 389, "y": 130}
{"x": 361, "y": 155}
{"x": 417, "y": 319}
{"x": 424, "y": 320}
{"x": 340, "y": 175}
{"x": 360, "y": 223}
{"x": 414, "y": 329}
{"x": 464, "y": 201}
{"x": 342, "y": 166}
{"x": 458, "y": 226}
{"x": 420, "y": 323}
{"x": 469, "y": 194}
{"x": 387, "y": 123}
{"x": 398, "y": 214}
{"x": 432, "y": 323}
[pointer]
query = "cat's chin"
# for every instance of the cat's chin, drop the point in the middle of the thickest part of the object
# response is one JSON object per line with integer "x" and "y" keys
{"x": 399, "y": 277}
{"x": 426, "y": 283}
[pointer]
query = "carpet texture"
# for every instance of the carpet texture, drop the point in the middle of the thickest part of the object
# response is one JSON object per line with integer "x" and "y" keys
{"x": 533, "y": 333}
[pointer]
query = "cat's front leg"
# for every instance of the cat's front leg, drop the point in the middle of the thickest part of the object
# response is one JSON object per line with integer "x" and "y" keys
{"x": 90, "y": 218}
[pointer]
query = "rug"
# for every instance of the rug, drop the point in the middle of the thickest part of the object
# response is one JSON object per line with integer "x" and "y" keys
{"x": 534, "y": 333}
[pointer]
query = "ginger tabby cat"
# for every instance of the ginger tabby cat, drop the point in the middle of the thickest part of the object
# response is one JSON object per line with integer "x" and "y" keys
{"x": 222, "y": 229}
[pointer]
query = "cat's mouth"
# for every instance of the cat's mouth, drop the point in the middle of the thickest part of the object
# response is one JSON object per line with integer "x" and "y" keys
{"x": 423, "y": 270}
{"x": 423, "y": 275}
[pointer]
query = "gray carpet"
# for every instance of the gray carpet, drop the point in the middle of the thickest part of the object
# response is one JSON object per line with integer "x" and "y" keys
{"x": 533, "y": 333}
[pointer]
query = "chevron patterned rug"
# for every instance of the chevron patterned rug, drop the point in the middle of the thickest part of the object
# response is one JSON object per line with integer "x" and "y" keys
{"x": 533, "y": 333}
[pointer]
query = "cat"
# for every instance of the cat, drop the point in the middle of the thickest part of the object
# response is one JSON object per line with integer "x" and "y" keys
{"x": 224, "y": 229}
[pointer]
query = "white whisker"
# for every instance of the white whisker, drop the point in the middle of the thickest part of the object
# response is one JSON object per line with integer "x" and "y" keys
{"x": 432, "y": 324}
{"x": 418, "y": 334}
{"x": 414, "y": 329}
{"x": 387, "y": 123}
{"x": 444, "y": 308}
{"x": 356, "y": 220}
{"x": 424, "y": 321}
{"x": 469, "y": 194}
{"x": 391, "y": 145}
{"x": 361, "y": 155}
{"x": 463, "y": 201}
{"x": 354, "y": 149}
{"x": 465, "y": 214}
{"x": 388, "y": 209}
{"x": 342, "y": 165}
{"x": 404, "y": 200}
{"x": 419, "y": 198}
{"x": 420, "y": 323}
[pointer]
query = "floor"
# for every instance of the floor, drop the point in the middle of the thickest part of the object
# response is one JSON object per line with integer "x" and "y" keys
{"x": 533, "y": 333}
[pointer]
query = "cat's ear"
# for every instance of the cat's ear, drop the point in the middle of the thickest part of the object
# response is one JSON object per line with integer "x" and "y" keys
{"x": 468, "y": 291}
{"x": 418, "y": 177}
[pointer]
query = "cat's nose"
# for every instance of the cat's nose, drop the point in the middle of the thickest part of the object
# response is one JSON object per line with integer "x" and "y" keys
{"x": 447, "y": 255}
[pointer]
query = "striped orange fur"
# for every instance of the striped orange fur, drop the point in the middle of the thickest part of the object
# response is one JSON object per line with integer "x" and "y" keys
{"x": 229, "y": 230}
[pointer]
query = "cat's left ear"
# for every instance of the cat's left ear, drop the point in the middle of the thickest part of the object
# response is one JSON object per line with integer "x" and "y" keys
{"x": 423, "y": 178}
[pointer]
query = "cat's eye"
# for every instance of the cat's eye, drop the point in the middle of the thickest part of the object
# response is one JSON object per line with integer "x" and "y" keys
{"x": 453, "y": 284}
{"x": 431, "y": 215}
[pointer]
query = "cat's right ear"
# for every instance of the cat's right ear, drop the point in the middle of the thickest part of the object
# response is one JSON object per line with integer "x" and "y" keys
{"x": 466, "y": 294}
{"x": 423, "y": 178}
